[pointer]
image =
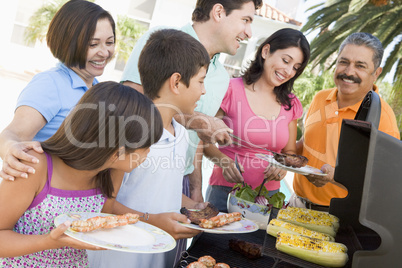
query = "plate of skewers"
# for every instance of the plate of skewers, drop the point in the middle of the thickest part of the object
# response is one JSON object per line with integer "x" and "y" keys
{"x": 210, "y": 220}
{"x": 303, "y": 170}
{"x": 116, "y": 232}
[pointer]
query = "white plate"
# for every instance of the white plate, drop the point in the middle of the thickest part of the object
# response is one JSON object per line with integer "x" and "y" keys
{"x": 139, "y": 237}
{"x": 306, "y": 170}
{"x": 242, "y": 226}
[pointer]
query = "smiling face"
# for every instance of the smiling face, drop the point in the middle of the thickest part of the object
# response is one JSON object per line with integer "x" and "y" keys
{"x": 100, "y": 52}
{"x": 191, "y": 94}
{"x": 236, "y": 27}
{"x": 282, "y": 65}
{"x": 355, "y": 72}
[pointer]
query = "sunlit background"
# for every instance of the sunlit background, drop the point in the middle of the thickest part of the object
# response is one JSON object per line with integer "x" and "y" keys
{"x": 20, "y": 59}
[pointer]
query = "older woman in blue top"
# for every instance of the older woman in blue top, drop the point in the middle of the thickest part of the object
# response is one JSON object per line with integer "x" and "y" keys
{"x": 82, "y": 36}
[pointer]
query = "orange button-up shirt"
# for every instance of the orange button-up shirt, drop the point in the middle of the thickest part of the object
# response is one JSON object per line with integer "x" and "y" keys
{"x": 322, "y": 129}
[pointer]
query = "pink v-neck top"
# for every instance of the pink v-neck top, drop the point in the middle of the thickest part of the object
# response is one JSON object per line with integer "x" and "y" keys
{"x": 39, "y": 217}
{"x": 272, "y": 134}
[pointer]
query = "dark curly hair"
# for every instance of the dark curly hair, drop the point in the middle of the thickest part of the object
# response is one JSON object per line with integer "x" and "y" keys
{"x": 281, "y": 39}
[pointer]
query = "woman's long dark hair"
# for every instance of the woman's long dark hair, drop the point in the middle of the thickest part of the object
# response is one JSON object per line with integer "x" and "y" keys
{"x": 281, "y": 39}
{"x": 108, "y": 116}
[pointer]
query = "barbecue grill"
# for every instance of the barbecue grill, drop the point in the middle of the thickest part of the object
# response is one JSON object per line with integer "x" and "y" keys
{"x": 369, "y": 165}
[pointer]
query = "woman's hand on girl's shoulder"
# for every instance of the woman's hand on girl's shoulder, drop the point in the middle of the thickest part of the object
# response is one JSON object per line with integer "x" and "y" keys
{"x": 57, "y": 239}
{"x": 18, "y": 161}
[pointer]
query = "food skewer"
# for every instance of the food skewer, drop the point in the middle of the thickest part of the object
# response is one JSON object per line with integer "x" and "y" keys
{"x": 106, "y": 222}
{"x": 220, "y": 220}
{"x": 291, "y": 160}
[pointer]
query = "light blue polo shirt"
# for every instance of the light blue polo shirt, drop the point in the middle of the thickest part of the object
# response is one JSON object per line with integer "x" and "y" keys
{"x": 216, "y": 84}
{"x": 53, "y": 93}
{"x": 155, "y": 186}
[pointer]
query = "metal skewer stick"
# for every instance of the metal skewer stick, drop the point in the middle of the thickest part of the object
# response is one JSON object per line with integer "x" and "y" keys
{"x": 238, "y": 167}
{"x": 250, "y": 145}
{"x": 263, "y": 182}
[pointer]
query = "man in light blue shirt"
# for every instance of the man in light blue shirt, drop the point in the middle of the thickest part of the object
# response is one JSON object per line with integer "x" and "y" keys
{"x": 220, "y": 25}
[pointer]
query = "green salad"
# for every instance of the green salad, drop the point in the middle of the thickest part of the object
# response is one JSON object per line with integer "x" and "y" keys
{"x": 247, "y": 193}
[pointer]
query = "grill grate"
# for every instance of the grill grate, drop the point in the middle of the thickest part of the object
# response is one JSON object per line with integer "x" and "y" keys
{"x": 185, "y": 260}
{"x": 217, "y": 246}
{"x": 270, "y": 250}
{"x": 345, "y": 235}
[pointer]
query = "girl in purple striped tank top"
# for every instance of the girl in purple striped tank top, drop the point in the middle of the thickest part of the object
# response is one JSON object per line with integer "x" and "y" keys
{"x": 108, "y": 133}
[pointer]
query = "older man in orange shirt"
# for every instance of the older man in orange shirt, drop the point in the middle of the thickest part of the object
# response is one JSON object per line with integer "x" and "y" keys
{"x": 357, "y": 68}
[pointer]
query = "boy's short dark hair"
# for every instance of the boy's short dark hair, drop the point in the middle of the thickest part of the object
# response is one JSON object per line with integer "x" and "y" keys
{"x": 204, "y": 7}
{"x": 166, "y": 52}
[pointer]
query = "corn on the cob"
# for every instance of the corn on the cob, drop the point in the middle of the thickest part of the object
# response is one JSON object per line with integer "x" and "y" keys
{"x": 310, "y": 219}
{"x": 276, "y": 226}
{"x": 318, "y": 214}
{"x": 321, "y": 252}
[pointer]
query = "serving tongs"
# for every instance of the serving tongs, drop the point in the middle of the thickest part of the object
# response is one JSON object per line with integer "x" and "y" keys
{"x": 250, "y": 146}
{"x": 239, "y": 142}
{"x": 186, "y": 259}
{"x": 238, "y": 168}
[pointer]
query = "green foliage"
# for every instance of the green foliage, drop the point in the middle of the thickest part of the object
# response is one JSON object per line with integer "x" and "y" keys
{"x": 335, "y": 20}
{"x": 299, "y": 133}
{"x": 385, "y": 89}
{"x": 40, "y": 20}
{"x": 356, "y": 5}
{"x": 394, "y": 99}
{"x": 128, "y": 32}
{"x": 343, "y": 17}
{"x": 309, "y": 83}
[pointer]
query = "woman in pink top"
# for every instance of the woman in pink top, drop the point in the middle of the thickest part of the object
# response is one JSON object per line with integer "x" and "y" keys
{"x": 261, "y": 110}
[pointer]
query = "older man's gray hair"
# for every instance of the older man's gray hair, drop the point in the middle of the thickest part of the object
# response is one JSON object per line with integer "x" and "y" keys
{"x": 368, "y": 40}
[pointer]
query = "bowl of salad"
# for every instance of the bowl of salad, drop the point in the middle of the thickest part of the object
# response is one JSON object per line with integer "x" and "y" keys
{"x": 244, "y": 199}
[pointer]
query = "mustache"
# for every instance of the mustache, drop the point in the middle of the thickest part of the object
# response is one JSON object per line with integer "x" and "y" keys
{"x": 351, "y": 77}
